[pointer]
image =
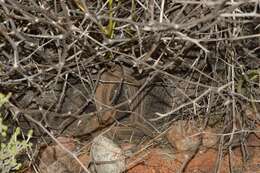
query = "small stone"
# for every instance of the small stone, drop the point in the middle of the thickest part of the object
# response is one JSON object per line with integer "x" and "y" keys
{"x": 106, "y": 156}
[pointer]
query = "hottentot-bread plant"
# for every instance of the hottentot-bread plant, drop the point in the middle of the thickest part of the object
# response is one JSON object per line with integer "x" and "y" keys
{"x": 10, "y": 147}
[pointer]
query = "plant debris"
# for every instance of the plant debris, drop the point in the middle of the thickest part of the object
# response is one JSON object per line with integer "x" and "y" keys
{"x": 132, "y": 70}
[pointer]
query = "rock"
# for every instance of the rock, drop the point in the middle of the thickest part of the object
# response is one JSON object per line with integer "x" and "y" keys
{"x": 186, "y": 136}
{"x": 54, "y": 159}
{"x": 210, "y": 139}
{"x": 183, "y": 136}
{"x": 107, "y": 157}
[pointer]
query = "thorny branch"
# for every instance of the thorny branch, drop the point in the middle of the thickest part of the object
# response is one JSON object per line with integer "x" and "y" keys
{"x": 207, "y": 51}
